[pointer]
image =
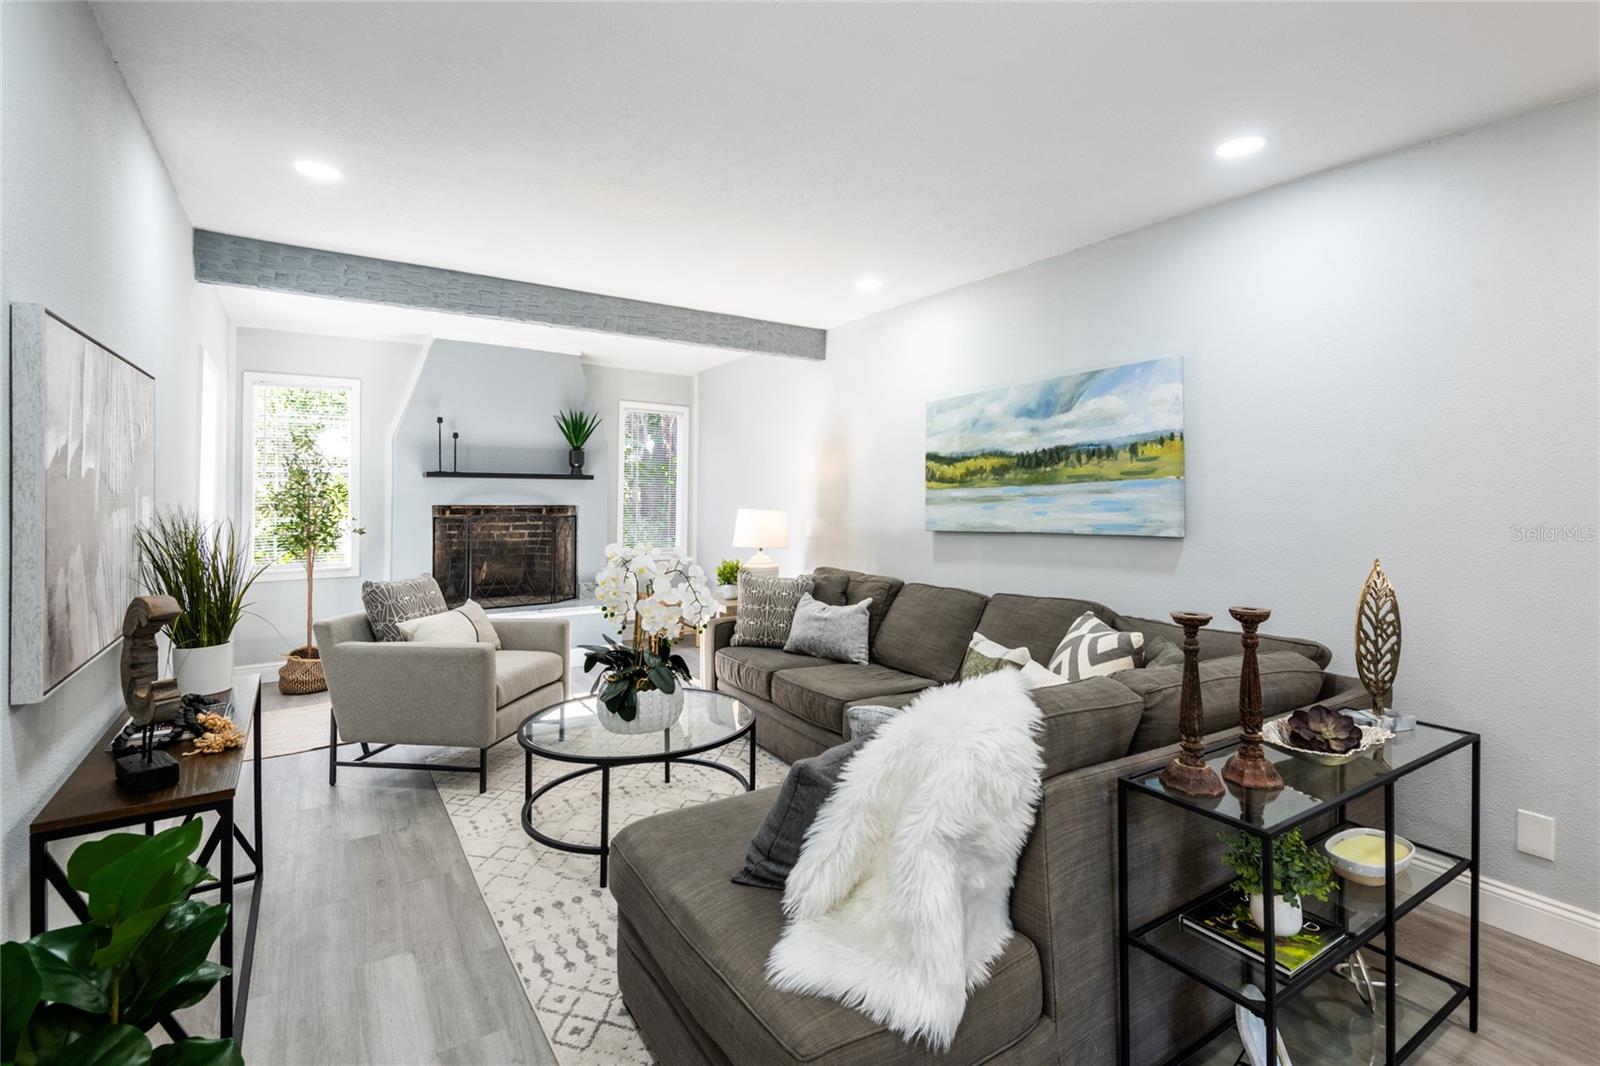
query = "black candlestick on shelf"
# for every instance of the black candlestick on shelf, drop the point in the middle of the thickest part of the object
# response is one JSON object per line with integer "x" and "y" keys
{"x": 455, "y": 453}
{"x": 439, "y": 428}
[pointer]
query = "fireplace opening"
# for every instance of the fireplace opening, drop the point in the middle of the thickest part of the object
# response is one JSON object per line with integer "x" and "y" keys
{"x": 506, "y": 555}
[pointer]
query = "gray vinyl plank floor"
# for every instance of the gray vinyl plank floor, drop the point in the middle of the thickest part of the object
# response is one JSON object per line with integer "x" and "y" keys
{"x": 374, "y": 944}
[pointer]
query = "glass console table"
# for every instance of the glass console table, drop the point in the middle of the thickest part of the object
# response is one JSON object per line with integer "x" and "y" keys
{"x": 1316, "y": 1010}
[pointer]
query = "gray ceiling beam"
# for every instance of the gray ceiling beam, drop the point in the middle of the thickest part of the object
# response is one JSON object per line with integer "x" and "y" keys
{"x": 221, "y": 259}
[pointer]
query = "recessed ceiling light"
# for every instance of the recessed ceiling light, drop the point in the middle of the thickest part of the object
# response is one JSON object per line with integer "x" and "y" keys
{"x": 1239, "y": 147}
{"x": 869, "y": 284}
{"x": 316, "y": 171}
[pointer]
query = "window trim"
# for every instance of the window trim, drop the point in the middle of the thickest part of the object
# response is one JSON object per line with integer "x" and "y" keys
{"x": 247, "y": 479}
{"x": 684, "y": 464}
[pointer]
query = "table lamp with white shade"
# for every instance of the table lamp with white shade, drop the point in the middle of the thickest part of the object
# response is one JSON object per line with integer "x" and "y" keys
{"x": 760, "y": 530}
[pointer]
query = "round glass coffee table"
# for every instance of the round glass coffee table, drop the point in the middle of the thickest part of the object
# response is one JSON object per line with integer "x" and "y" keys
{"x": 573, "y": 732}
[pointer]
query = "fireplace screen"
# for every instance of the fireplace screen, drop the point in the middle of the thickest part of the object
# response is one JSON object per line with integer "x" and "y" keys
{"x": 505, "y": 555}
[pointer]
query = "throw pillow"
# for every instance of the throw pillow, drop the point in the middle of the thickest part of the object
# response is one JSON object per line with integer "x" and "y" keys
{"x": 1162, "y": 652}
{"x": 766, "y": 610}
{"x": 837, "y": 633}
{"x": 985, "y": 656}
{"x": 776, "y": 846}
{"x": 863, "y": 720}
{"x": 388, "y": 603}
{"x": 830, "y": 587}
{"x": 1093, "y": 649}
{"x": 467, "y": 624}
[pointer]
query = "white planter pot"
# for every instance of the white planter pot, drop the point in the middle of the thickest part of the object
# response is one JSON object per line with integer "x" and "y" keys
{"x": 655, "y": 711}
{"x": 1287, "y": 918}
{"x": 729, "y": 593}
{"x": 204, "y": 671}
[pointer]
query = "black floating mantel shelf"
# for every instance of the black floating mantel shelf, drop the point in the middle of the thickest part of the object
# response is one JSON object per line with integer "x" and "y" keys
{"x": 455, "y": 444}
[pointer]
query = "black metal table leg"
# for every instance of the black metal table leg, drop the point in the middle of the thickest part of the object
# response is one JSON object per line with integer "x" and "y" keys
{"x": 527, "y": 775}
{"x": 38, "y": 901}
{"x": 752, "y": 787}
{"x": 605, "y": 821}
{"x": 1472, "y": 933}
{"x": 225, "y": 948}
{"x": 1124, "y": 1031}
{"x": 666, "y": 764}
{"x": 1391, "y": 978}
{"x": 1269, "y": 939}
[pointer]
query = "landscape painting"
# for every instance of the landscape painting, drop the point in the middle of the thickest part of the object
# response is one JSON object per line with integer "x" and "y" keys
{"x": 83, "y": 478}
{"x": 1097, "y": 452}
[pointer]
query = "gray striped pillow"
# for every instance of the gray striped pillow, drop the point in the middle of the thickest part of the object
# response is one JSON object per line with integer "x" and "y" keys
{"x": 1092, "y": 649}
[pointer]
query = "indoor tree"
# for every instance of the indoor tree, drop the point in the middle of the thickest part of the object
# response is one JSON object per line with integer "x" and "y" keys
{"x": 308, "y": 511}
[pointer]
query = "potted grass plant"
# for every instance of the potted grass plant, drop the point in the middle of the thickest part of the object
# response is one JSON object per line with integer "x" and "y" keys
{"x": 576, "y": 428}
{"x": 728, "y": 580}
{"x": 308, "y": 512}
{"x": 205, "y": 568}
{"x": 89, "y": 993}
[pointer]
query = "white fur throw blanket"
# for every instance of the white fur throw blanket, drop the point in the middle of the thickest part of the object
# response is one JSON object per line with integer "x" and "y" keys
{"x": 900, "y": 900}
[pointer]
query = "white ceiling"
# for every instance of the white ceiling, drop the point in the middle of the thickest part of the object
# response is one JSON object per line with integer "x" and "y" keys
{"x": 756, "y": 159}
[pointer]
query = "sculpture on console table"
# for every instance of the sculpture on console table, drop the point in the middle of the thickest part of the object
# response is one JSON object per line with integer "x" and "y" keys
{"x": 149, "y": 698}
{"x": 1188, "y": 772}
{"x": 1248, "y": 767}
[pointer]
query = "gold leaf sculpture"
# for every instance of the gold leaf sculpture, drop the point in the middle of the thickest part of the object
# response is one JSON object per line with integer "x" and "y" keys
{"x": 1378, "y": 638}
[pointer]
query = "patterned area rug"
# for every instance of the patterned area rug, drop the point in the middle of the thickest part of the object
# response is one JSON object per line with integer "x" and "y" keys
{"x": 558, "y": 924}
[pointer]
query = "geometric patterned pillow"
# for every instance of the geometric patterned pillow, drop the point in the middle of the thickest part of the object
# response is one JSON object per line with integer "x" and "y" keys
{"x": 1091, "y": 649}
{"x": 766, "y": 610}
{"x": 389, "y": 603}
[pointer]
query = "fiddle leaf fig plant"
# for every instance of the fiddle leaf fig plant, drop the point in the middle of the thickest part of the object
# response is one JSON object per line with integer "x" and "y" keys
{"x": 89, "y": 993}
{"x": 309, "y": 508}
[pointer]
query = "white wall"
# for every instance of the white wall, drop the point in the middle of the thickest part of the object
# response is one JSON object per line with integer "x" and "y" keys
{"x": 1394, "y": 359}
{"x": 92, "y": 229}
{"x": 502, "y": 401}
{"x": 608, "y": 387}
{"x": 276, "y": 621}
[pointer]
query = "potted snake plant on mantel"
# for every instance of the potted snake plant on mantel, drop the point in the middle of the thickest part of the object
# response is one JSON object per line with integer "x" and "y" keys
{"x": 576, "y": 429}
{"x": 655, "y": 594}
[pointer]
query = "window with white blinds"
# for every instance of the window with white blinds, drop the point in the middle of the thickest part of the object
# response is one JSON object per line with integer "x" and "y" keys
{"x": 274, "y": 406}
{"x": 653, "y": 475}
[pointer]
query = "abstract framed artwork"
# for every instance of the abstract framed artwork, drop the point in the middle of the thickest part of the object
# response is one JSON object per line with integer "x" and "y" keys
{"x": 1095, "y": 452}
{"x": 82, "y": 479}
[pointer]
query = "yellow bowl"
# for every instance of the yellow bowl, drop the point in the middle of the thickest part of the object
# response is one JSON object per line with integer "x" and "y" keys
{"x": 1367, "y": 873}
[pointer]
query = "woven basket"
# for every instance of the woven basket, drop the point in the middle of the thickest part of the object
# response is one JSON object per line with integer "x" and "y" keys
{"x": 302, "y": 673}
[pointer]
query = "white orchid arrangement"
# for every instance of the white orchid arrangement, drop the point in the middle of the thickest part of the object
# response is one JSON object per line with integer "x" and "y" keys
{"x": 652, "y": 591}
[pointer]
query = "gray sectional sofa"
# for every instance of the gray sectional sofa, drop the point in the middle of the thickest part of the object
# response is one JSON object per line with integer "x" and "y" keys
{"x": 693, "y": 946}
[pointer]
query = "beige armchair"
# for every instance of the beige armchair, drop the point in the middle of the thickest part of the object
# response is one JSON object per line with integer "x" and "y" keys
{"x": 443, "y": 695}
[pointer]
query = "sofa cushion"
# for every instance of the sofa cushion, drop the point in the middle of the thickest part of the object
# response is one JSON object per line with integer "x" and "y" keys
{"x": 819, "y": 694}
{"x": 927, "y": 629}
{"x": 517, "y": 673}
{"x": 1288, "y": 680}
{"x": 710, "y": 939}
{"x": 830, "y": 587}
{"x": 1218, "y": 643}
{"x": 751, "y": 669}
{"x": 879, "y": 589}
{"x": 1085, "y": 722}
{"x": 775, "y": 848}
{"x": 1036, "y": 622}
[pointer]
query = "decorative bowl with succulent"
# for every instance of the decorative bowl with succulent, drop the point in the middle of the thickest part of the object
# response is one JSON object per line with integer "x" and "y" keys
{"x": 1322, "y": 735}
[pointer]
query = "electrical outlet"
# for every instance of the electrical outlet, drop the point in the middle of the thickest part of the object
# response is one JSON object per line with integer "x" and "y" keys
{"x": 1536, "y": 835}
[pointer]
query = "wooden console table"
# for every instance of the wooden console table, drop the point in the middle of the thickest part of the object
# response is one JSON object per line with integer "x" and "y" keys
{"x": 91, "y": 802}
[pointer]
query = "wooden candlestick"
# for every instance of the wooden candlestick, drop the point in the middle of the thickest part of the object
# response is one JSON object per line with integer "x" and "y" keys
{"x": 1188, "y": 772}
{"x": 1249, "y": 767}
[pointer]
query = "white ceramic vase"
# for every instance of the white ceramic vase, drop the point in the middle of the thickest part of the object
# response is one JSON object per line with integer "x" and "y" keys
{"x": 204, "y": 671}
{"x": 1287, "y": 918}
{"x": 654, "y": 711}
{"x": 729, "y": 593}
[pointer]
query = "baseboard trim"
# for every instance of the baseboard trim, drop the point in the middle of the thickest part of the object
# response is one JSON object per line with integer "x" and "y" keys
{"x": 1568, "y": 929}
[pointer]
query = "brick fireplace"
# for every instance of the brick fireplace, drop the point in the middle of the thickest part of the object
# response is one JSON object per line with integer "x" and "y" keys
{"x": 506, "y": 555}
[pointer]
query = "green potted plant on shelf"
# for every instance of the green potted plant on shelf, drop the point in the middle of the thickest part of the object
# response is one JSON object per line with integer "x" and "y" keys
{"x": 1298, "y": 871}
{"x": 205, "y": 568}
{"x": 307, "y": 511}
{"x": 89, "y": 993}
{"x": 655, "y": 594}
{"x": 728, "y": 579}
{"x": 576, "y": 428}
